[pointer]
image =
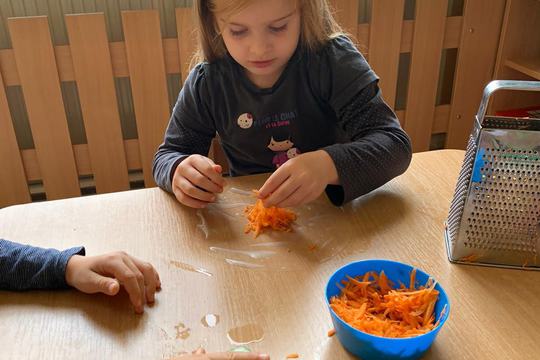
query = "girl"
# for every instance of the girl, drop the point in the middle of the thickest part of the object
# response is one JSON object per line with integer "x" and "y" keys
{"x": 287, "y": 92}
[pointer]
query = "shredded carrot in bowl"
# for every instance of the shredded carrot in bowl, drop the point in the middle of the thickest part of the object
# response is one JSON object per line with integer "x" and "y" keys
{"x": 369, "y": 303}
{"x": 260, "y": 218}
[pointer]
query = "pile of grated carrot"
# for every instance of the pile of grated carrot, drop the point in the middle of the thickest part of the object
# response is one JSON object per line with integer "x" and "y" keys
{"x": 260, "y": 218}
{"x": 370, "y": 304}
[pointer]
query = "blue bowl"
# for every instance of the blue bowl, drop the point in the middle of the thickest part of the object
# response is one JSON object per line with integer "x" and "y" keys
{"x": 368, "y": 346}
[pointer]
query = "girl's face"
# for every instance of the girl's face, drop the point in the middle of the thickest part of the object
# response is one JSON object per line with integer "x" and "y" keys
{"x": 262, "y": 38}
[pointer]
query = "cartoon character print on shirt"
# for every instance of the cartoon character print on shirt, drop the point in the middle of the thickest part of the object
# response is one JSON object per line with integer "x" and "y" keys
{"x": 245, "y": 121}
{"x": 283, "y": 150}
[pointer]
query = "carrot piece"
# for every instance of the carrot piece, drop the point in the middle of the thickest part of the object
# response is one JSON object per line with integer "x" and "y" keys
{"x": 293, "y": 356}
{"x": 470, "y": 258}
{"x": 375, "y": 307}
{"x": 260, "y": 218}
{"x": 331, "y": 332}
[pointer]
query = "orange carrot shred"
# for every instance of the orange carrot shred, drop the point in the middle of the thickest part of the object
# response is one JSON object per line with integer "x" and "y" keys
{"x": 370, "y": 304}
{"x": 413, "y": 277}
{"x": 260, "y": 218}
{"x": 293, "y": 356}
{"x": 331, "y": 332}
{"x": 470, "y": 258}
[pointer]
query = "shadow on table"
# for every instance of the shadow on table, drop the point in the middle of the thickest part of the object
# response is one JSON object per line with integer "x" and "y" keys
{"x": 111, "y": 314}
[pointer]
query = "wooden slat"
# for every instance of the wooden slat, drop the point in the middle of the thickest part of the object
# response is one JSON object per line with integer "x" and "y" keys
{"x": 440, "y": 120}
{"x": 148, "y": 82}
{"x": 13, "y": 186}
{"x": 82, "y": 159}
{"x": 187, "y": 40}
{"x": 424, "y": 71}
{"x": 36, "y": 66}
{"x": 385, "y": 43}
{"x": 482, "y": 21}
{"x": 8, "y": 68}
{"x": 97, "y": 94}
{"x": 346, "y": 13}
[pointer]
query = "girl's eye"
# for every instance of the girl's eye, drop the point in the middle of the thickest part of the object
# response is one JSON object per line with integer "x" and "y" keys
{"x": 277, "y": 29}
{"x": 238, "y": 32}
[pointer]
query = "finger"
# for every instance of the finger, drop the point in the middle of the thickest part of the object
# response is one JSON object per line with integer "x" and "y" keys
{"x": 208, "y": 168}
{"x": 199, "y": 351}
{"x": 118, "y": 268}
{"x": 194, "y": 192}
{"x": 295, "y": 199}
{"x": 237, "y": 356}
{"x": 158, "y": 281}
{"x": 139, "y": 277}
{"x": 188, "y": 200}
{"x": 99, "y": 283}
{"x": 286, "y": 189}
{"x": 199, "y": 180}
{"x": 150, "y": 278}
{"x": 273, "y": 183}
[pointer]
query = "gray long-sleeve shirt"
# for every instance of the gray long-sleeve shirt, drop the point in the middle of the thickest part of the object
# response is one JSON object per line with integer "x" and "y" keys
{"x": 24, "y": 267}
{"x": 327, "y": 99}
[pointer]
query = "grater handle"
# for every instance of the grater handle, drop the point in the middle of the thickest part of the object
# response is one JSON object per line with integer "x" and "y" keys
{"x": 496, "y": 85}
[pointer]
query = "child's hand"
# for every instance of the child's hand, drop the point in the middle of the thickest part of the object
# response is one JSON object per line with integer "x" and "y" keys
{"x": 200, "y": 354}
{"x": 196, "y": 181}
{"x": 300, "y": 180}
{"x": 105, "y": 274}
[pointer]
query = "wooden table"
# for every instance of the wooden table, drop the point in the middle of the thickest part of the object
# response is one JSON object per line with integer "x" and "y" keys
{"x": 276, "y": 291}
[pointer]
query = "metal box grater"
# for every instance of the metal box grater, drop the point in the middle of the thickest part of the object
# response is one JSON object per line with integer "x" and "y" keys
{"x": 494, "y": 217}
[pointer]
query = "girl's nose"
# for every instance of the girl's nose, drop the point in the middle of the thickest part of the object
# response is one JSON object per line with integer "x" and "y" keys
{"x": 260, "y": 46}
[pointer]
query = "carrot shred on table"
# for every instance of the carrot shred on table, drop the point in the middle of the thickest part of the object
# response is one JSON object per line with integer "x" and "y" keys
{"x": 260, "y": 218}
{"x": 470, "y": 258}
{"x": 331, "y": 332}
{"x": 293, "y": 356}
{"x": 370, "y": 304}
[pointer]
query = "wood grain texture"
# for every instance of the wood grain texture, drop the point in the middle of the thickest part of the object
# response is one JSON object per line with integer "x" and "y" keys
{"x": 36, "y": 66}
{"x": 148, "y": 82}
{"x": 385, "y": 44}
{"x": 13, "y": 185}
{"x": 424, "y": 72}
{"x": 482, "y": 21}
{"x": 403, "y": 221}
{"x": 346, "y": 13}
{"x": 187, "y": 39}
{"x": 519, "y": 45}
{"x": 95, "y": 83}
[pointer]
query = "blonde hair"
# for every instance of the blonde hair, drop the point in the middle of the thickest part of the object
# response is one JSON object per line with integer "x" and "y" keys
{"x": 317, "y": 25}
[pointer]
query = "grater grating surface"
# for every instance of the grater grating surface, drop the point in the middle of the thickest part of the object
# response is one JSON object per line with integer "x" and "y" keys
{"x": 494, "y": 217}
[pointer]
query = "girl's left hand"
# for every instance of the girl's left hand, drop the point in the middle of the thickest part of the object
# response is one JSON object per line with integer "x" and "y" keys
{"x": 300, "y": 180}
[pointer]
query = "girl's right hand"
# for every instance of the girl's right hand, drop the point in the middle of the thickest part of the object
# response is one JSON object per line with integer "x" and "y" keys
{"x": 196, "y": 181}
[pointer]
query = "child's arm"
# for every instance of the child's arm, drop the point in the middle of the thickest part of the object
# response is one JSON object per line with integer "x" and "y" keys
{"x": 181, "y": 165}
{"x": 25, "y": 267}
{"x": 377, "y": 149}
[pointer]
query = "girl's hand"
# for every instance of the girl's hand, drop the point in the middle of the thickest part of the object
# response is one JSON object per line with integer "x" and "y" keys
{"x": 300, "y": 180}
{"x": 196, "y": 181}
{"x": 105, "y": 274}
